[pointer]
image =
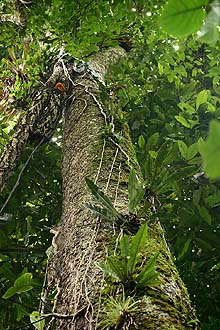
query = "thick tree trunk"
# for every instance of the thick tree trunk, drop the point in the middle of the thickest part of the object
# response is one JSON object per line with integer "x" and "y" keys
{"x": 74, "y": 282}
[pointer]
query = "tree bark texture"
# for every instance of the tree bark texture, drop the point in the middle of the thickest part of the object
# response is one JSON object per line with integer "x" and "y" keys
{"x": 74, "y": 284}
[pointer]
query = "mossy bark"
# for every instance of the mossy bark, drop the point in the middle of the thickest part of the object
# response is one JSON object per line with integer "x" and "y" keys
{"x": 74, "y": 280}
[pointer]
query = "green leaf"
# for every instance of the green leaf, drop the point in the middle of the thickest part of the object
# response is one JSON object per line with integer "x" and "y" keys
{"x": 186, "y": 107}
{"x": 180, "y": 18}
{"x": 187, "y": 153}
{"x": 210, "y": 107}
{"x": 3, "y": 257}
{"x": 185, "y": 248}
{"x": 162, "y": 154}
{"x": 148, "y": 273}
{"x": 141, "y": 141}
{"x": 22, "y": 284}
{"x": 125, "y": 246}
{"x": 152, "y": 141}
{"x": 153, "y": 154}
{"x": 213, "y": 200}
{"x": 125, "y": 251}
{"x": 209, "y": 33}
{"x": 99, "y": 212}
{"x": 210, "y": 151}
{"x": 21, "y": 312}
{"x": 183, "y": 149}
{"x": 108, "y": 270}
{"x": 183, "y": 121}
{"x": 10, "y": 292}
{"x": 176, "y": 176}
{"x": 135, "y": 191}
{"x": 137, "y": 244}
{"x": 197, "y": 196}
{"x": 118, "y": 267}
{"x": 204, "y": 213}
{"x": 35, "y": 316}
{"x": 202, "y": 97}
{"x": 192, "y": 151}
{"x": 160, "y": 68}
{"x": 98, "y": 194}
{"x": 101, "y": 198}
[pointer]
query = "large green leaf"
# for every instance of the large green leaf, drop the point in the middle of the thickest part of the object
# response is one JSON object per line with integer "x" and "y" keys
{"x": 22, "y": 284}
{"x": 182, "y": 17}
{"x": 202, "y": 97}
{"x": 183, "y": 121}
{"x": 210, "y": 151}
{"x": 100, "y": 212}
{"x": 9, "y": 293}
{"x": 209, "y": 30}
{"x": 137, "y": 244}
{"x": 187, "y": 152}
{"x": 192, "y": 151}
{"x": 152, "y": 141}
{"x": 101, "y": 198}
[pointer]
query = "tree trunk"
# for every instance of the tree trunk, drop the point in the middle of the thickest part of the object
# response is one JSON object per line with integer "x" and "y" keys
{"x": 75, "y": 286}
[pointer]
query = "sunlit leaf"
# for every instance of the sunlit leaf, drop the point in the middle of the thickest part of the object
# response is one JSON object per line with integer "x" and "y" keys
{"x": 22, "y": 284}
{"x": 180, "y": 18}
{"x": 34, "y": 317}
{"x": 9, "y": 293}
{"x": 141, "y": 141}
{"x": 183, "y": 121}
{"x": 202, "y": 97}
